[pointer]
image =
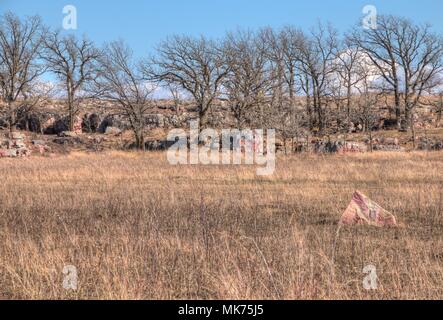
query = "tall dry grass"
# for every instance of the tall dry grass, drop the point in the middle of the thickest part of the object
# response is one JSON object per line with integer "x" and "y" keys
{"x": 137, "y": 228}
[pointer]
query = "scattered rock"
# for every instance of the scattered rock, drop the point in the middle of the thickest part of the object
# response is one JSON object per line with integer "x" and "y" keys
{"x": 429, "y": 144}
{"x": 3, "y": 123}
{"x": 386, "y": 144}
{"x": 387, "y": 147}
{"x": 388, "y": 124}
{"x": 17, "y": 136}
{"x": 155, "y": 121}
{"x": 352, "y": 147}
{"x": 38, "y": 142}
{"x": 113, "y": 131}
{"x": 67, "y": 140}
{"x": 389, "y": 141}
{"x": 113, "y": 121}
{"x": 68, "y": 134}
{"x": 175, "y": 121}
{"x": 158, "y": 145}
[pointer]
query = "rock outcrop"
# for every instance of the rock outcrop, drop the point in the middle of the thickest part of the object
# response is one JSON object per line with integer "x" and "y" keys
{"x": 48, "y": 123}
{"x": 341, "y": 147}
{"x": 430, "y": 144}
{"x": 14, "y": 146}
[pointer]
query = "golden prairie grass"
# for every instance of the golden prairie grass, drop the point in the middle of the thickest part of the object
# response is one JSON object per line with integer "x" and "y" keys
{"x": 136, "y": 227}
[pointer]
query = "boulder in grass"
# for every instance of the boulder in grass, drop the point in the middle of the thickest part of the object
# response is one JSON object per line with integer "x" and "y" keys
{"x": 364, "y": 211}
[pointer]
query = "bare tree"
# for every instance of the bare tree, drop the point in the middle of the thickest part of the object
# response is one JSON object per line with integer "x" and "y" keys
{"x": 248, "y": 80}
{"x": 408, "y": 57}
{"x": 120, "y": 81}
{"x": 292, "y": 40}
{"x": 368, "y": 100}
{"x": 73, "y": 62}
{"x": 197, "y": 65}
{"x": 20, "y": 44}
{"x": 438, "y": 108}
{"x": 174, "y": 91}
{"x": 275, "y": 55}
{"x": 283, "y": 53}
{"x": 317, "y": 56}
{"x": 378, "y": 45}
{"x": 420, "y": 53}
{"x": 350, "y": 67}
{"x": 305, "y": 82}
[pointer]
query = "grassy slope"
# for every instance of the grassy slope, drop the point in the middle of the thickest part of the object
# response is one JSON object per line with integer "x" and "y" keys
{"x": 136, "y": 227}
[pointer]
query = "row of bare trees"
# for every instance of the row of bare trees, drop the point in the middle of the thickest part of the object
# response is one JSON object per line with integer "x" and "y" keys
{"x": 261, "y": 74}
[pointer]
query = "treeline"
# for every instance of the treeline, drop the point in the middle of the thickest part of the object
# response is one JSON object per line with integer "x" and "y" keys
{"x": 289, "y": 79}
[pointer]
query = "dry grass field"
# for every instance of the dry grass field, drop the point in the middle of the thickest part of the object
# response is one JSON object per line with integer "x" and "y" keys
{"x": 136, "y": 227}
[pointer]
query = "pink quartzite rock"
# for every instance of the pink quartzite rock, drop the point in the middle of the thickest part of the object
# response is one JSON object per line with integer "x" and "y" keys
{"x": 363, "y": 210}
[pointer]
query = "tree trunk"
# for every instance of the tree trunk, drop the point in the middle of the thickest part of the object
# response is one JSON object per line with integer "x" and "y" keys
{"x": 71, "y": 120}
{"x": 348, "y": 104}
{"x": 319, "y": 113}
{"x": 315, "y": 106}
{"x": 291, "y": 85}
{"x": 397, "y": 107}
{"x": 203, "y": 114}
{"x": 410, "y": 122}
{"x": 406, "y": 122}
{"x": 71, "y": 111}
{"x": 204, "y": 108}
{"x": 139, "y": 139}
{"x": 440, "y": 110}
{"x": 12, "y": 117}
{"x": 308, "y": 106}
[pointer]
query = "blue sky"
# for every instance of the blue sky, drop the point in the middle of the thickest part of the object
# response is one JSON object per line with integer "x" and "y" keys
{"x": 144, "y": 23}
